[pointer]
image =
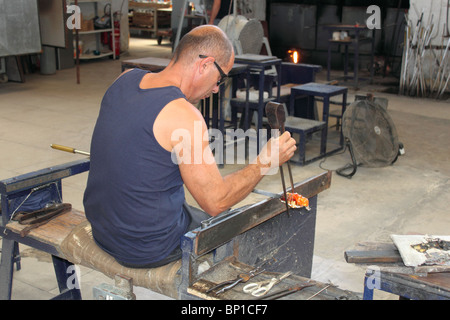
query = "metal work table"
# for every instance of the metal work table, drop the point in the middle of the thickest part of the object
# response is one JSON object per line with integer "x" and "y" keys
{"x": 387, "y": 272}
{"x": 356, "y": 30}
{"x": 433, "y": 286}
{"x": 259, "y": 64}
{"x": 307, "y": 126}
{"x": 217, "y": 120}
{"x": 149, "y": 64}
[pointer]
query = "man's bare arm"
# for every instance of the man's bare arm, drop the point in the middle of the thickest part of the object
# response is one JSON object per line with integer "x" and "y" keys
{"x": 181, "y": 128}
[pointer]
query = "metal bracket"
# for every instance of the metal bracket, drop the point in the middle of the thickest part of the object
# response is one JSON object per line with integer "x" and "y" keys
{"x": 122, "y": 290}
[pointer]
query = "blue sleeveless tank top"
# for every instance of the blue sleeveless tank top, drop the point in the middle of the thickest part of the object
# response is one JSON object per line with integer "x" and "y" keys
{"x": 134, "y": 195}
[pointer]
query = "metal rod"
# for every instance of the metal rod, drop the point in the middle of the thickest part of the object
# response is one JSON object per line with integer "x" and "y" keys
{"x": 326, "y": 287}
{"x": 285, "y": 292}
{"x": 281, "y": 115}
{"x": 77, "y": 40}
{"x": 69, "y": 149}
{"x": 284, "y": 190}
{"x": 274, "y": 122}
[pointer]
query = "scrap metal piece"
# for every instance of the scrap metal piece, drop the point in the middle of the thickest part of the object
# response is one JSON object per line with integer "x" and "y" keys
{"x": 121, "y": 290}
{"x": 431, "y": 243}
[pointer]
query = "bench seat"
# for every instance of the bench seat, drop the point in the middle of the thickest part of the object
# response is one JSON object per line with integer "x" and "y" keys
{"x": 71, "y": 236}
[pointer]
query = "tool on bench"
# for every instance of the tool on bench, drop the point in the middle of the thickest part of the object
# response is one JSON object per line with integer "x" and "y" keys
{"x": 285, "y": 292}
{"x": 259, "y": 289}
{"x": 69, "y": 149}
{"x": 324, "y": 288}
{"x": 243, "y": 277}
{"x": 276, "y": 117}
{"x": 40, "y": 217}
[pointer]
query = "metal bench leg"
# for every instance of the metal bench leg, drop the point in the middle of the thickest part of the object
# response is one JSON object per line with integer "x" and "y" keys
{"x": 68, "y": 282}
{"x": 6, "y": 268}
{"x": 368, "y": 293}
{"x": 302, "y": 148}
{"x": 16, "y": 256}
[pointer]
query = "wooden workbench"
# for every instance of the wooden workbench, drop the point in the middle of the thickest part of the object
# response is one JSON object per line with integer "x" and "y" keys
{"x": 231, "y": 270}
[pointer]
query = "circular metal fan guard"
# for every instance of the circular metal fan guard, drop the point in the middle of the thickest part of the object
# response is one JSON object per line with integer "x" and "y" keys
{"x": 371, "y": 132}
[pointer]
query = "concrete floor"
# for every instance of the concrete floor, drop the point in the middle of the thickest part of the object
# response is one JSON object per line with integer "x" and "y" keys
{"x": 412, "y": 196}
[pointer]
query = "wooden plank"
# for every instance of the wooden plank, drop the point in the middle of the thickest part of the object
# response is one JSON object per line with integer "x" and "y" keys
{"x": 219, "y": 233}
{"x": 53, "y": 232}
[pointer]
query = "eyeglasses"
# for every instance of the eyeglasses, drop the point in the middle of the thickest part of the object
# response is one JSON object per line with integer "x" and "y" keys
{"x": 223, "y": 75}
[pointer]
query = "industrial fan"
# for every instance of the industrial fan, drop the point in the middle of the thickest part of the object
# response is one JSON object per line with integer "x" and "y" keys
{"x": 247, "y": 35}
{"x": 370, "y": 136}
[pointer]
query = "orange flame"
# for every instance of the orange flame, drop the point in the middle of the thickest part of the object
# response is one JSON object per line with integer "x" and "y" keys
{"x": 294, "y": 56}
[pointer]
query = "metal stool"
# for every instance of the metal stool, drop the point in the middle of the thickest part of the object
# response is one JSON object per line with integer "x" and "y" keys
{"x": 307, "y": 126}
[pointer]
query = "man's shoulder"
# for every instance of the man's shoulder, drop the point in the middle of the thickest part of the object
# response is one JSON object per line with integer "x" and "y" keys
{"x": 183, "y": 110}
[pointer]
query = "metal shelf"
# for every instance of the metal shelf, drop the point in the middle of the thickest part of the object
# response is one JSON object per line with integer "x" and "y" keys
{"x": 97, "y": 32}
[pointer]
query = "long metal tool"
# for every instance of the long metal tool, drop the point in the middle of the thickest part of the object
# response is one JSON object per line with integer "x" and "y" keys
{"x": 285, "y": 292}
{"x": 324, "y": 288}
{"x": 281, "y": 115}
{"x": 272, "y": 118}
{"x": 243, "y": 277}
{"x": 69, "y": 149}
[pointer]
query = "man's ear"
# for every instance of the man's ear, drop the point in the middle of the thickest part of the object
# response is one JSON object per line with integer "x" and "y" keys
{"x": 204, "y": 63}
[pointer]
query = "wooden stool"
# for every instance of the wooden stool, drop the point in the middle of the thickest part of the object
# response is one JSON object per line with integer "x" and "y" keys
{"x": 306, "y": 126}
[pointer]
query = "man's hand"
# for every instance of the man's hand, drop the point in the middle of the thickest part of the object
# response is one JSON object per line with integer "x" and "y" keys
{"x": 276, "y": 152}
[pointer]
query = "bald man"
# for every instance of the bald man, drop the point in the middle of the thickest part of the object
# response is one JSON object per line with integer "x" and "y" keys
{"x": 144, "y": 149}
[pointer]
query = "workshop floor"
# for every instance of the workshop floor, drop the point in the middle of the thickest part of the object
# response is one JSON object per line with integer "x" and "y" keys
{"x": 412, "y": 196}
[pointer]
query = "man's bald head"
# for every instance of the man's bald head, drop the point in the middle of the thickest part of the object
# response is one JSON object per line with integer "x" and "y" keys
{"x": 205, "y": 40}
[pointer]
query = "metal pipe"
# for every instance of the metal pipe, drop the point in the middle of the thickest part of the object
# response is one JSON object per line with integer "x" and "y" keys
{"x": 69, "y": 149}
